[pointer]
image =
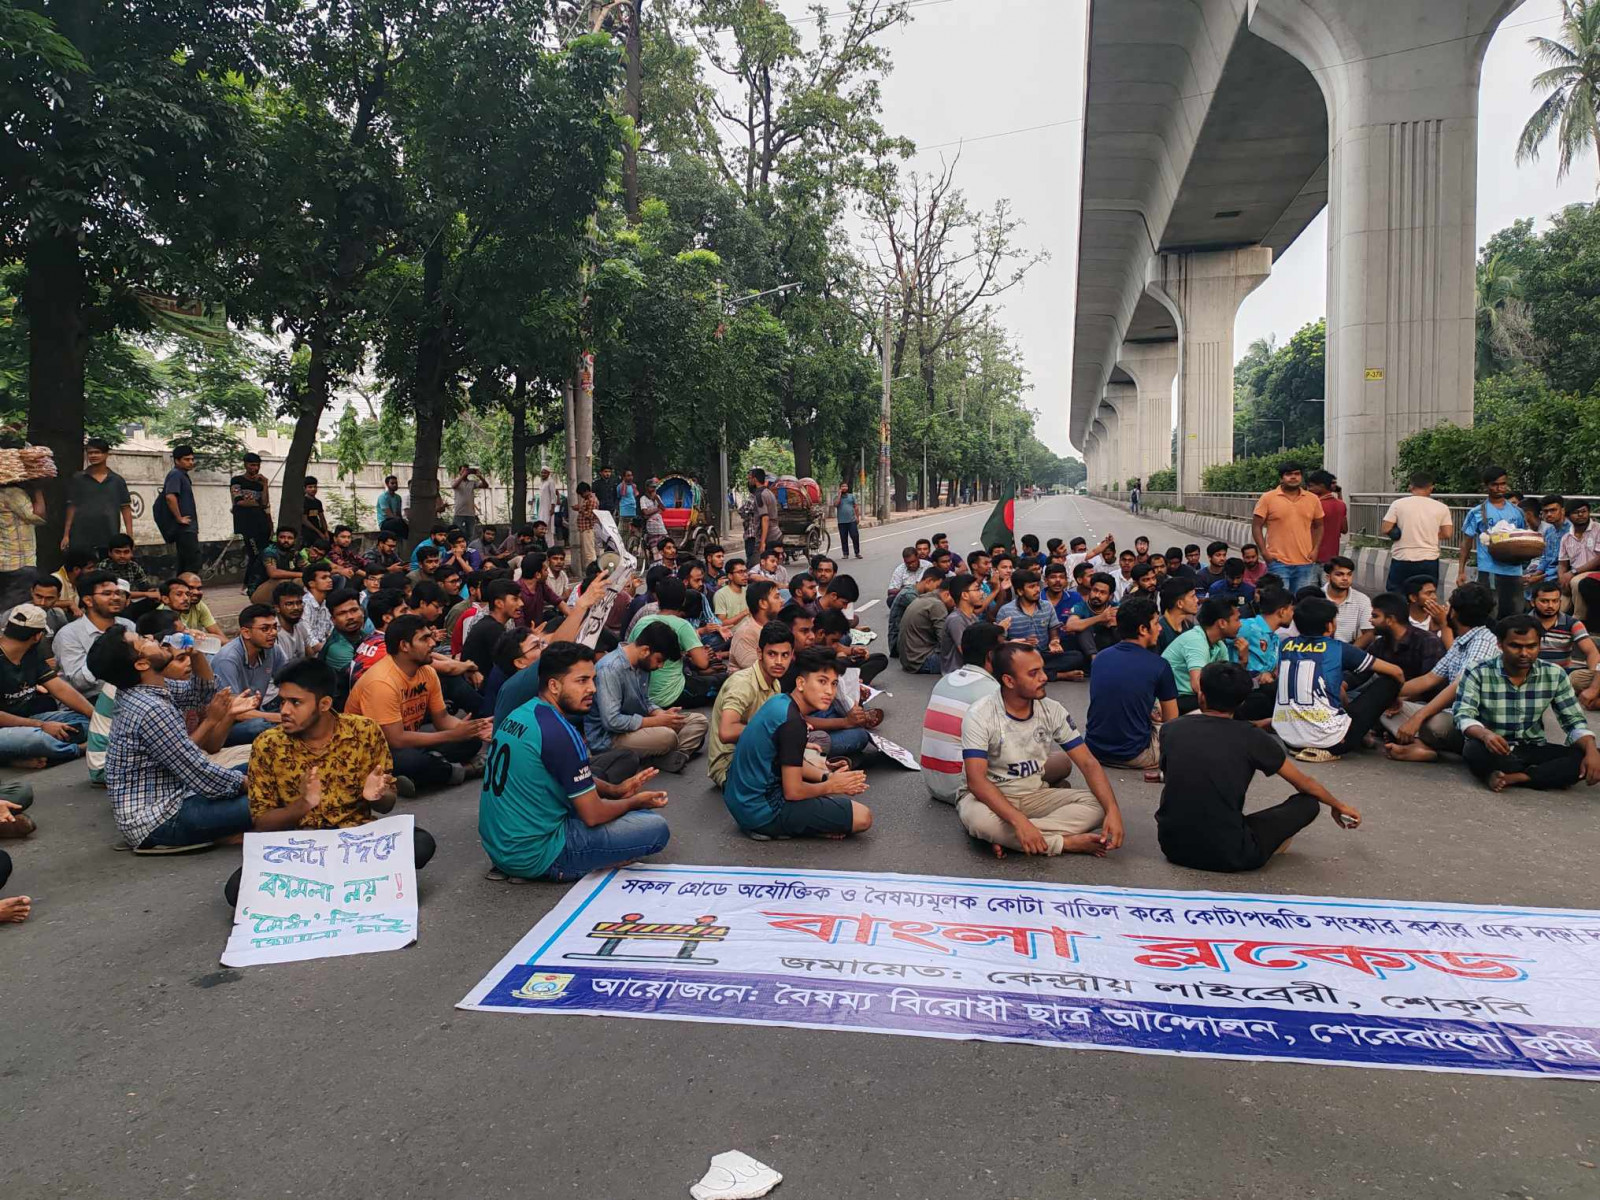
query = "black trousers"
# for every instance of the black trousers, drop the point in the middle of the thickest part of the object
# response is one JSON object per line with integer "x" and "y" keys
{"x": 422, "y": 845}
{"x": 435, "y": 767}
{"x": 1188, "y": 704}
{"x": 849, "y": 531}
{"x": 1258, "y": 705}
{"x": 5, "y": 868}
{"x": 460, "y": 694}
{"x": 1549, "y": 767}
{"x": 700, "y": 691}
{"x": 1263, "y": 833}
{"x": 872, "y": 666}
{"x": 1507, "y": 589}
{"x": 188, "y": 547}
{"x": 1366, "y": 707}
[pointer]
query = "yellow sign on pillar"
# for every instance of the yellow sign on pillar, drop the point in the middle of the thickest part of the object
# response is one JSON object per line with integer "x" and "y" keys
{"x": 1374, "y": 374}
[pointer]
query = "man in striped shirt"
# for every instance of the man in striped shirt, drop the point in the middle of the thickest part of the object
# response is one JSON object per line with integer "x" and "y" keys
{"x": 952, "y": 696}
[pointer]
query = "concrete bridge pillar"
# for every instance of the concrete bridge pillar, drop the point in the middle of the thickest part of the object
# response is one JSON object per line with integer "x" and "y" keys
{"x": 1153, "y": 366}
{"x": 1113, "y": 444}
{"x": 1102, "y": 439}
{"x": 1401, "y": 80}
{"x": 1205, "y": 290}
{"x": 1091, "y": 459}
{"x": 1123, "y": 399}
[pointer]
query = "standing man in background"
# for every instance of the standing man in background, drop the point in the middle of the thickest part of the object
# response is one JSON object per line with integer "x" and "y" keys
{"x": 547, "y": 493}
{"x": 1419, "y": 524}
{"x": 1287, "y": 525}
{"x": 844, "y": 507}
{"x": 584, "y": 523}
{"x": 252, "y": 518}
{"x": 97, "y": 502}
{"x": 606, "y": 490}
{"x": 1504, "y": 579}
{"x": 1335, "y": 516}
{"x": 178, "y": 518}
{"x": 464, "y": 497}
{"x": 392, "y": 507}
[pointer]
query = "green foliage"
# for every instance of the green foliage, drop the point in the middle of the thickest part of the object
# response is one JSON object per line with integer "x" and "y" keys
{"x": 1559, "y": 275}
{"x": 1164, "y": 480}
{"x": 1570, "y": 111}
{"x": 1546, "y": 439}
{"x": 350, "y": 448}
{"x": 1273, "y": 387}
{"x": 1259, "y": 474}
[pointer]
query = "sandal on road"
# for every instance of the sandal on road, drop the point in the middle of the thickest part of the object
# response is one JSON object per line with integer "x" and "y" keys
{"x": 1311, "y": 754}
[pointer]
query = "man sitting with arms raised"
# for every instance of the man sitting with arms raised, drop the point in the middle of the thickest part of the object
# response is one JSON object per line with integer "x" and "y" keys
{"x": 542, "y": 814}
{"x": 1208, "y": 759}
{"x": 166, "y": 795}
{"x": 771, "y": 790}
{"x": 1500, "y": 711}
{"x": 320, "y": 769}
{"x": 1019, "y": 748}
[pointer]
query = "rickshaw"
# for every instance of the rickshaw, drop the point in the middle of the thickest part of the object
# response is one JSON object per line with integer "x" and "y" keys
{"x": 802, "y": 517}
{"x": 682, "y": 512}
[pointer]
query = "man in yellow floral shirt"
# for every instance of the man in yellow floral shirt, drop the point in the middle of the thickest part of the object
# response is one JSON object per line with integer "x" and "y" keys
{"x": 319, "y": 769}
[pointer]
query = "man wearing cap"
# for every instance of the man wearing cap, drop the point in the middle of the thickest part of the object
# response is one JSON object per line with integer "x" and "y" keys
{"x": 97, "y": 502}
{"x": 32, "y": 732}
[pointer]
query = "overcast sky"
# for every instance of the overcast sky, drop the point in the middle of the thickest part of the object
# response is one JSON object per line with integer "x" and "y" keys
{"x": 966, "y": 70}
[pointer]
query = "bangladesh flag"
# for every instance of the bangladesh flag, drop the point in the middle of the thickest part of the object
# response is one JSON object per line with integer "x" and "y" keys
{"x": 1002, "y": 523}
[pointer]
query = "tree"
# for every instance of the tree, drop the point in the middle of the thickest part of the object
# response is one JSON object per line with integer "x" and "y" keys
{"x": 508, "y": 147}
{"x": 1571, "y": 108}
{"x": 122, "y": 143}
{"x": 1274, "y": 389}
{"x": 1505, "y": 337}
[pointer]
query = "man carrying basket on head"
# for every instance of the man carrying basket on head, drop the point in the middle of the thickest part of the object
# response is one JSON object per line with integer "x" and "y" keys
{"x": 1504, "y": 543}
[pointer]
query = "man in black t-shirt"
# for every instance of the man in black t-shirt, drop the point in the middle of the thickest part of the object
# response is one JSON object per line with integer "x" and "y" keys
{"x": 502, "y": 605}
{"x": 313, "y": 524}
{"x": 1208, "y": 760}
{"x": 36, "y": 730}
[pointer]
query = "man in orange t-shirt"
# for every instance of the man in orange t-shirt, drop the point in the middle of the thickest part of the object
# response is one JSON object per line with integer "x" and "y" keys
{"x": 1288, "y": 527}
{"x": 402, "y": 692}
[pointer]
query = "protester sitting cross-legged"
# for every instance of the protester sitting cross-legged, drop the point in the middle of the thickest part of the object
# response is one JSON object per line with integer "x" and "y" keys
{"x": 1019, "y": 747}
{"x": 1414, "y": 651}
{"x": 772, "y": 789}
{"x": 400, "y": 693}
{"x": 922, "y": 625}
{"x": 1094, "y": 621}
{"x": 1500, "y": 711}
{"x": 952, "y": 697}
{"x": 43, "y": 718}
{"x": 167, "y": 795}
{"x": 745, "y": 691}
{"x": 1562, "y": 636}
{"x": 690, "y": 682}
{"x": 248, "y": 664}
{"x": 1311, "y": 715}
{"x": 764, "y": 601}
{"x": 543, "y": 812}
{"x": 320, "y": 769}
{"x": 843, "y": 728}
{"x": 1213, "y": 636}
{"x": 103, "y": 605}
{"x": 623, "y": 715}
{"x": 1423, "y": 727}
{"x": 1208, "y": 760}
{"x": 1030, "y": 618}
{"x": 1130, "y": 682}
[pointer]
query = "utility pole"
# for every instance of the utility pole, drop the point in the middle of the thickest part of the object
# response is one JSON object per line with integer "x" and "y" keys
{"x": 631, "y": 98}
{"x": 884, "y": 480}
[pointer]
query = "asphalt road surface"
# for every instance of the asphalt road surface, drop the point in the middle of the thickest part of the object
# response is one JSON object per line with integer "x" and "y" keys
{"x": 132, "y": 1065}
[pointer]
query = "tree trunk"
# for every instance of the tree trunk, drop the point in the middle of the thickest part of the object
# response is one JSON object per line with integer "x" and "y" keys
{"x": 800, "y": 438}
{"x": 428, "y": 395}
{"x": 583, "y": 415}
{"x": 58, "y": 347}
{"x": 313, "y": 403}
{"x": 519, "y": 453}
{"x": 646, "y": 455}
{"x": 631, "y": 95}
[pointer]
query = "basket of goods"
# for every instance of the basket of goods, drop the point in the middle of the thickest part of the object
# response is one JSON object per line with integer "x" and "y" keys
{"x": 22, "y": 463}
{"x": 1508, "y": 544}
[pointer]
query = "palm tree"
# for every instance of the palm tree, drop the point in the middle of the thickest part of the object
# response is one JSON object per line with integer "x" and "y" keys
{"x": 1571, "y": 109}
{"x": 1505, "y": 327}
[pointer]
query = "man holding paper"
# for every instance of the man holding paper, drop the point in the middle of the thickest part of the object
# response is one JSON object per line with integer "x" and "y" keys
{"x": 320, "y": 769}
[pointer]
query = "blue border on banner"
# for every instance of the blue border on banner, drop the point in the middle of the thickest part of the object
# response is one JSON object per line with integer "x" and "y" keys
{"x": 1160, "y": 1028}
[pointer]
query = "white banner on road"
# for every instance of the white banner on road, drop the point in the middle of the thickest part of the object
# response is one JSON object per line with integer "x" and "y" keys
{"x": 1438, "y": 987}
{"x": 317, "y": 893}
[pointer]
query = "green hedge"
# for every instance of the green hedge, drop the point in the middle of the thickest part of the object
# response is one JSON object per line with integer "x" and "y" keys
{"x": 1259, "y": 474}
{"x": 1164, "y": 481}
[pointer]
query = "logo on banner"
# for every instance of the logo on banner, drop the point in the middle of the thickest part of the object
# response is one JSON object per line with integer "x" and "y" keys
{"x": 633, "y": 928}
{"x": 543, "y": 985}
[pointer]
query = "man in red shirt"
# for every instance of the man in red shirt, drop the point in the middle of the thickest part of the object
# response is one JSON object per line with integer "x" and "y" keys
{"x": 1335, "y": 516}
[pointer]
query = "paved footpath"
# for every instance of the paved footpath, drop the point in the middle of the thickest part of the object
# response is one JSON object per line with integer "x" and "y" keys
{"x": 133, "y": 1066}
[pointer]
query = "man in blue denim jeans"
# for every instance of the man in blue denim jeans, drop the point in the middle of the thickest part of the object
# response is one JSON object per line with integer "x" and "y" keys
{"x": 166, "y": 794}
{"x": 544, "y": 813}
{"x": 35, "y": 730}
{"x": 1287, "y": 525}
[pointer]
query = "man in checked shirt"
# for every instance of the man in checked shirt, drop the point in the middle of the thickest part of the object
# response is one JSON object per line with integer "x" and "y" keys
{"x": 1500, "y": 711}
